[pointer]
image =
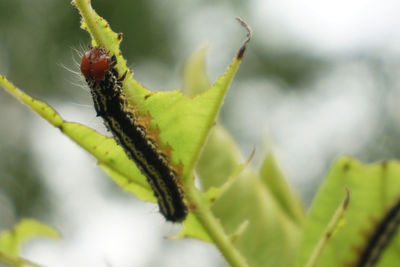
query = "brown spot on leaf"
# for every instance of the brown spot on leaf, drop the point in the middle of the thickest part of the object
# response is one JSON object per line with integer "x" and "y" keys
{"x": 346, "y": 166}
{"x": 365, "y": 234}
{"x": 192, "y": 207}
{"x": 348, "y": 264}
{"x": 372, "y": 220}
{"x": 356, "y": 249}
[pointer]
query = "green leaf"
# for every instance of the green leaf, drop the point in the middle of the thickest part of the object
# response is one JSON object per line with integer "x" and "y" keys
{"x": 374, "y": 188}
{"x": 11, "y": 241}
{"x": 273, "y": 178}
{"x": 261, "y": 229}
{"x": 271, "y": 237}
{"x": 219, "y": 158}
{"x": 192, "y": 228}
{"x": 185, "y": 122}
{"x": 111, "y": 158}
{"x": 195, "y": 79}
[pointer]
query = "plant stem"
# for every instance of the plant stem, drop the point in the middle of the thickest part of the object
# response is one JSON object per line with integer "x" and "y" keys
{"x": 87, "y": 11}
{"x": 213, "y": 227}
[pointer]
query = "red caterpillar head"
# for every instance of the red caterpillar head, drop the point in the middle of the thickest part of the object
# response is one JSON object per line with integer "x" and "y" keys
{"x": 95, "y": 64}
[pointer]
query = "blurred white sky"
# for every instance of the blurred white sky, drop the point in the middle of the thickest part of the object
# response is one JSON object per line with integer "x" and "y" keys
{"x": 299, "y": 127}
{"x": 331, "y": 26}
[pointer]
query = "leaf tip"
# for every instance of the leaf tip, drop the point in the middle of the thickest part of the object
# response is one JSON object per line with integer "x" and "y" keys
{"x": 242, "y": 49}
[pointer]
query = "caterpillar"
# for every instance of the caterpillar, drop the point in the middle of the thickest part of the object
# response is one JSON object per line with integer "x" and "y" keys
{"x": 131, "y": 133}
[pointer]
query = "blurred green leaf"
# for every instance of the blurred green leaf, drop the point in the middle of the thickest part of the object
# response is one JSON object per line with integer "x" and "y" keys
{"x": 192, "y": 228}
{"x": 331, "y": 229}
{"x": 259, "y": 226}
{"x": 219, "y": 158}
{"x": 195, "y": 79}
{"x": 373, "y": 189}
{"x": 11, "y": 241}
{"x": 271, "y": 237}
{"x": 274, "y": 180}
